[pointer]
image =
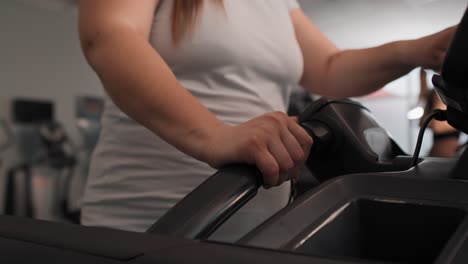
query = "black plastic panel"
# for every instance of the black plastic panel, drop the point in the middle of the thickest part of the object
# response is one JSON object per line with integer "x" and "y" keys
{"x": 455, "y": 68}
{"x": 102, "y": 242}
{"x": 415, "y": 216}
{"x": 348, "y": 139}
{"x": 452, "y": 87}
{"x": 385, "y": 231}
{"x": 24, "y": 241}
{"x": 207, "y": 253}
{"x": 20, "y": 252}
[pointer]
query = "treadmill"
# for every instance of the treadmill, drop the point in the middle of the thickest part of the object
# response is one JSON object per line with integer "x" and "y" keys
{"x": 393, "y": 213}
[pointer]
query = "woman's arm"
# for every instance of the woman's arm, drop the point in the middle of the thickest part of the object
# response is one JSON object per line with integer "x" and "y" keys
{"x": 332, "y": 72}
{"x": 114, "y": 37}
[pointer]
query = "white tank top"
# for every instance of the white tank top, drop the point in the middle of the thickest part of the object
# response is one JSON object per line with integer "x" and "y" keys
{"x": 240, "y": 63}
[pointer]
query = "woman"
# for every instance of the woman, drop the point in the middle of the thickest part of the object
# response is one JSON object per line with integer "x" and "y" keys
{"x": 199, "y": 84}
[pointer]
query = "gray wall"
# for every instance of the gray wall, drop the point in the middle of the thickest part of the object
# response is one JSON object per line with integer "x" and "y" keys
{"x": 362, "y": 23}
{"x": 40, "y": 57}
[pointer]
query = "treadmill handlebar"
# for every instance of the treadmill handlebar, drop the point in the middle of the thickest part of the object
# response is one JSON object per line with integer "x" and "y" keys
{"x": 207, "y": 207}
{"x": 203, "y": 210}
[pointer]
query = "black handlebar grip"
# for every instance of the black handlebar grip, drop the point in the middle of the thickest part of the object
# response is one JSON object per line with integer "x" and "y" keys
{"x": 203, "y": 210}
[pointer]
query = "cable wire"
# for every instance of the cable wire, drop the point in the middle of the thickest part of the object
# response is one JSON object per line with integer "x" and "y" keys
{"x": 438, "y": 114}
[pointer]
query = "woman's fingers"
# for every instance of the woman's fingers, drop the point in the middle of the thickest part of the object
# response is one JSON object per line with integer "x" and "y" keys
{"x": 302, "y": 137}
{"x": 305, "y": 141}
{"x": 293, "y": 146}
{"x": 269, "y": 168}
{"x": 296, "y": 152}
{"x": 274, "y": 142}
{"x": 288, "y": 144}
{"x": 283, "y": 158}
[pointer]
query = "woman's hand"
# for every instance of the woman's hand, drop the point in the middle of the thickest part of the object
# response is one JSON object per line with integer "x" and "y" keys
{"x": 428, "y": 52}
{"x": 274, "y": 142}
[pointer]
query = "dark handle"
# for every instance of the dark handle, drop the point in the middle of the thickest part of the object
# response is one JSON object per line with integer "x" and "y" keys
{"x": 321, "y": 134}
{"x": 203, "y": 210}
{"x": 207, "y": 207}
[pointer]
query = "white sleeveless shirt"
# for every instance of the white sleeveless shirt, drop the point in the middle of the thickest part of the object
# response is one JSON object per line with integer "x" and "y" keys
{"x": 240, "y": 63}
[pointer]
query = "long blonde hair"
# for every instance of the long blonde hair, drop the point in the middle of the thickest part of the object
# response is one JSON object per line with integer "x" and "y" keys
{"x": 184, "y": 17}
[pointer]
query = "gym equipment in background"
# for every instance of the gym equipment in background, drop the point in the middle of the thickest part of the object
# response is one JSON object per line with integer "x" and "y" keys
{"x": 38, "y": 184}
